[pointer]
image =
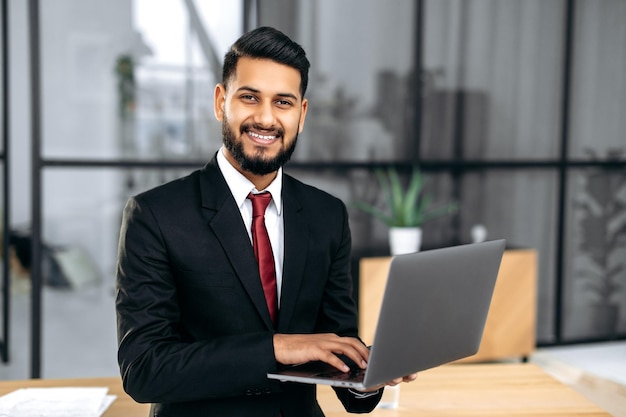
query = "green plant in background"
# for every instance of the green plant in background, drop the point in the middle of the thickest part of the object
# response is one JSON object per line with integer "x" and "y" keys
{"x": 404, "y": 206}
{"x": 125, "y": 72}
{"x": 602, "y": 205}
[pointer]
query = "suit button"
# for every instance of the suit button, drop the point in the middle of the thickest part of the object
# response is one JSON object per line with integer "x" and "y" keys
{"x": 268, "y": 390}
{"x": 248, "y": 392}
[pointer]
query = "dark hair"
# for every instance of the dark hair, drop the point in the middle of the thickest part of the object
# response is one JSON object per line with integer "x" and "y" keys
{"x": 267, "y": 43}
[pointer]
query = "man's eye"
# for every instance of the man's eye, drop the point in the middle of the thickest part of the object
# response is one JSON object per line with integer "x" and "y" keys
{"x": 283, "y": 102}
{"x": 248, "y": 97}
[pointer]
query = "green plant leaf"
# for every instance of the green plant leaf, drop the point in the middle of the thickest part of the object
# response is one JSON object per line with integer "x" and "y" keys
{"x": 405, "y": 206}
{"x": 397, "y": 207}
{"x": 374, "y": 211}
{"x": 412, "y": 215}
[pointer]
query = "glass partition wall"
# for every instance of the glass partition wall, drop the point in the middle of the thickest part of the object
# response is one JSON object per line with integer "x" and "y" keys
{"x": 4, "y": 190}
{"x": 497, "y": 102}
{"x": 126, "y": 104}
{"x": 594, "y": 290}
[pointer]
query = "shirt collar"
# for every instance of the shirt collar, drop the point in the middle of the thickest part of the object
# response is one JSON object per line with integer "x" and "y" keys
{"x": 240, "y": 186}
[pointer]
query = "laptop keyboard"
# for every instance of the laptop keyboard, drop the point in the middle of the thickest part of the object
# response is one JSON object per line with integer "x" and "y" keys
{"x": 355, "y": 374}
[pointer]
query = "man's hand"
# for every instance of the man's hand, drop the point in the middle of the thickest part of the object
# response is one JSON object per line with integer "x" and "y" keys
{"x": 291, "y": 349}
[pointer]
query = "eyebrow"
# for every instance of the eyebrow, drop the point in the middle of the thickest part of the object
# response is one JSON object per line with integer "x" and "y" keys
{"x": 254, "y": 90}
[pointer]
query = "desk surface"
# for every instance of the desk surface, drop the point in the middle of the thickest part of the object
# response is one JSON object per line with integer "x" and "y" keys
{"x": 123, "y": 406}
{"x": 490, "y": 390}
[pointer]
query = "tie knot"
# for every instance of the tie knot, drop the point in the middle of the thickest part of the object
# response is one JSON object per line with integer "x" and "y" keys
{"x": 260, "y": 202}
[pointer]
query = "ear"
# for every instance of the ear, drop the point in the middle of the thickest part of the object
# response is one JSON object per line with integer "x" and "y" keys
{"x": 303, "y": 109}
{"x": 219, "y": 101}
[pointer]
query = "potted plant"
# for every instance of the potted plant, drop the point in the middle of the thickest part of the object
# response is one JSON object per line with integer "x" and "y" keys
{"x": 601, "y": 209}
{"x": 406, "y": 209}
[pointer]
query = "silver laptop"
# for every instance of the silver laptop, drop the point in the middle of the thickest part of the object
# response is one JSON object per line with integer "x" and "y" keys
{"x": 433, "y": 312}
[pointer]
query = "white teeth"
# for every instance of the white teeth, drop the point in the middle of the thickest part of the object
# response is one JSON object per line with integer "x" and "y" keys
{"x": 262, "y": 137}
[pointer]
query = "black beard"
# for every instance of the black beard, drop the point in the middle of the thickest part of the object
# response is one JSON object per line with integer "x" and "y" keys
{"x": 256, "y": 165}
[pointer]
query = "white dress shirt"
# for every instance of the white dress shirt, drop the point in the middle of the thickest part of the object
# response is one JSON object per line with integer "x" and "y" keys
{"x": 240, "y": 187}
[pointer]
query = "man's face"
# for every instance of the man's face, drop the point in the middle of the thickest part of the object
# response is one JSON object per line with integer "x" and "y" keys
{"x": 262, "y": 113}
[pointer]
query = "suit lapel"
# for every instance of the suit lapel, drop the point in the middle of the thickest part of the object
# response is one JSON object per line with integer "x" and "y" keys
{"x": 296, "y": 249}
{"x": 225, "y": 221}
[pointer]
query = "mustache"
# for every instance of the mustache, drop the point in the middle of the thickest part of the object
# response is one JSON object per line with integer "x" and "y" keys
{"x": 272, "y": 131}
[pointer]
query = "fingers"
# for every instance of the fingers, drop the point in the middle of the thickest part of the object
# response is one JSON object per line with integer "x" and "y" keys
{"x": 334, "y": 360}
{"x": 407, "y": 378}
{"x": 394, "y": 382}
{"x": 356, "y": 351}
{"x": 293, "y": 349}
{"x": 410, "y": 378}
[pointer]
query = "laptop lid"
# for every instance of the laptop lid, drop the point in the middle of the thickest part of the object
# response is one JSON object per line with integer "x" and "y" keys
{"x": 433, "y": 311}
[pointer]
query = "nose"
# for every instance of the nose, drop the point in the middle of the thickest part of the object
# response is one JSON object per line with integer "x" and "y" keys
{"x": 264, "y": 116}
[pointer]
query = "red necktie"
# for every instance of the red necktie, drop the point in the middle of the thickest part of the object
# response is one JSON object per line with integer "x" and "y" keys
{"x": 263, "y": 250}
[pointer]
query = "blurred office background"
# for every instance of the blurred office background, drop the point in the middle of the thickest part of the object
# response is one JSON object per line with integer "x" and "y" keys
{"x": 514, "y": 108}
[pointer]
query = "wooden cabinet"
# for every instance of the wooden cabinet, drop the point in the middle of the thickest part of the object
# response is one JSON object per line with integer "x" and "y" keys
{"x": 510, "y": 327}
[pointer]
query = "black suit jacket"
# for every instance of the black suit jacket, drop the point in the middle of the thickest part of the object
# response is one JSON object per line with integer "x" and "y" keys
{"x": 195, "y": 336}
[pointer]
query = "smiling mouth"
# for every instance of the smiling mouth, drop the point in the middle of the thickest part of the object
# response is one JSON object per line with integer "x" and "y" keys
{"x": 265, "y": 138}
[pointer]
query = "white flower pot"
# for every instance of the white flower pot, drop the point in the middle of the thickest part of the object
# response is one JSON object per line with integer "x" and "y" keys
{"x": 405, "y": 240}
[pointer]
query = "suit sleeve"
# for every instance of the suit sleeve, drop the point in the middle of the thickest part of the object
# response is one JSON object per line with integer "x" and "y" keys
{"x": 156, "y": 363}
{"x": 339, "y": 314}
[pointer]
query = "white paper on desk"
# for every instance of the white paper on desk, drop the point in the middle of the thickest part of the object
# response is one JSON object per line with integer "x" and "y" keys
{"x": 106, "y": 403}
{"x": 56, "y": 402}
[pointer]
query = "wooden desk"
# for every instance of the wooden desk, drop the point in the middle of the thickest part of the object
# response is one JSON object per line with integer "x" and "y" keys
{"x": 123, "y": 406}
{"x": 457, "y": 390}
{"x": 485, "y": 390}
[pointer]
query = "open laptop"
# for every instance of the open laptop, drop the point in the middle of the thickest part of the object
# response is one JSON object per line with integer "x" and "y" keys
{"x": 433, "y": 312}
